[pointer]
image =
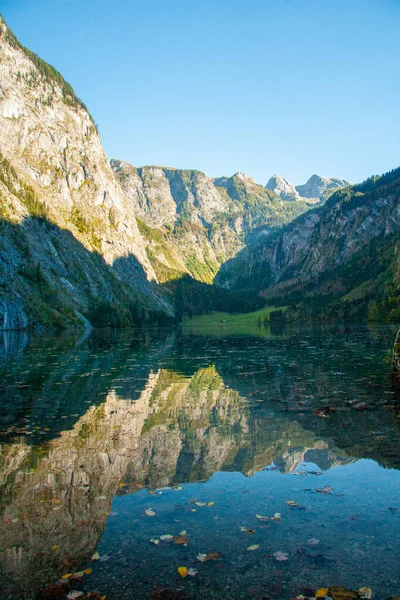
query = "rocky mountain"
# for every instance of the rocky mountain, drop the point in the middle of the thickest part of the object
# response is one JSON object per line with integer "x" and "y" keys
{"x": 88, "y": 242}
{"x": 282, "y": 188}
{"x": 341, "y": 257}
{"x": 69, "y": 234}
{"x": 316, "y": 189}
{"x": 320, "y": 187}
{"x": 192, "y": 223}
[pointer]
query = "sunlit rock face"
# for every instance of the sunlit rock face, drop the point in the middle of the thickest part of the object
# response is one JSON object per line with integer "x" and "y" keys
{"x": 193, "y": 223}
{"x": 309, "y": 256}
{"x": 283, "y": 188}
{"x": 316, "y": 189}
{"x": 52, "y": 145}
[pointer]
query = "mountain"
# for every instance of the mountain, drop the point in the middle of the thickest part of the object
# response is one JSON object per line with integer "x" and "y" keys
{"x": 192, "y": 223}
{"x": 320, "y": 187}
{"x": 316, "y": 189}
{"x": 339, "y": 259}
{"x": 68, "y": 234}
{"x": 87, "y": 241}
{"x": 282, "y": 188}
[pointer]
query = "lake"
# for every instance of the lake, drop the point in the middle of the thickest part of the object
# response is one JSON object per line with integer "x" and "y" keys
{"x": 261, "y": 466}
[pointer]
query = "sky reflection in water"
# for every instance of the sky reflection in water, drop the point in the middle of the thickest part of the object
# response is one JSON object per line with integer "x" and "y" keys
{"x": 93, "y": 426}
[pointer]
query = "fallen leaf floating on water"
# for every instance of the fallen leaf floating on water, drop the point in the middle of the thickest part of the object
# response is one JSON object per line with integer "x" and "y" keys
{"x": 246, "y": 530}
{"x": 276, "y": 517}
{"x": 181, "y": 540}
{"x": 96, "y": 556}
{"x": 150, "y": 513}
{"x": 166, "y": 537}
{"x": 154, "y": 541}
{"x": 291, "y": 503}
{"x": 323, "y": 412}
{"x": 262, "y": 518}
{"x": 210, "y": 556}
{"x": 325, "y": 490}
{"x": 77, "y": 575}
{"x": 87, "y": 571}
{"x": 204, "y": 503}
{"x": 66, "y": 576}
{"x": 341, "y": 593}
{"x": 75, "y": 594}
{"x": 365, "y": 593}
{"x": 192, "y": 572}
{"x": 253, "y": 547}
{"x": 201, "y": 557}
{"x": 183, "y": 571}
{"x": 281, "y": 555}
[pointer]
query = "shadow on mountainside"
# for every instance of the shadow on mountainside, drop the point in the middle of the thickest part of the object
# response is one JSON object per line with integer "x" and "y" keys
{"x": 49, "y": 278}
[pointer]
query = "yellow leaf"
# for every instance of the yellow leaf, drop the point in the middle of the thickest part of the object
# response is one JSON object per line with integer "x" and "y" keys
{"x": 321, "y": 593}
{"x": 254, "y": 547}
{"x": 54, "y": 547}
{"x": 96, "y": 556}
{"x": 182, "y": 571}
{"x": 66, "y": 576}
{"x": 87, "y": 571}
{"x": 122, "y": 484}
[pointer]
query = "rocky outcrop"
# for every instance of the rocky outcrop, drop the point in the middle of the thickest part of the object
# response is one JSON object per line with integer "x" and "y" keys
{"x": 12, "y": 315}
{"x": 282, "y": 188}
{"x": 312, "y": 255}
{"x": 316, "y": 189}
{"x": 53, "y": 167}
{"x": 320, "y": 187}
{"x": 192, "y": 223}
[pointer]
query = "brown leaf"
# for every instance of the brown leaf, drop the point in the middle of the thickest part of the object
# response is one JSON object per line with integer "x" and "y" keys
{"x": 181, "y": 540}
{"x": 213, "y": 556}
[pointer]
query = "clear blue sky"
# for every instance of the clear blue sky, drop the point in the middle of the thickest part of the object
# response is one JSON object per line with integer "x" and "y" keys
{"x": 293, "y": 87}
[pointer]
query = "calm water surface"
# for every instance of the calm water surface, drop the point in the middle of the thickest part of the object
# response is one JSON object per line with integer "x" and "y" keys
{"x": 154, "y": 451}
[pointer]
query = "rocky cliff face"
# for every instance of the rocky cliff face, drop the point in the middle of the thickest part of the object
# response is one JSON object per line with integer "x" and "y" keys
{"x": 316, "y": 189}
{"x": 72, "y": 250}
{"x": 282, "y": 188}
{"x": 54, "y": 168}
{"x": 193, "y": 223}
{"x": 345, "y": 249}
{"x": 320, "y": 187}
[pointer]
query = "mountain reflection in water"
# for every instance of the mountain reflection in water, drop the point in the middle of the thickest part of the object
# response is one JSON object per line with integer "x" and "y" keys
{"x": 90, "y": 426}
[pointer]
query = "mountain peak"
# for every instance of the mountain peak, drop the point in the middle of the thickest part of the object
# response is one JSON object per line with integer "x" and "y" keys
{"x": 282, "y": 188}
{"x": 318, "y": 186}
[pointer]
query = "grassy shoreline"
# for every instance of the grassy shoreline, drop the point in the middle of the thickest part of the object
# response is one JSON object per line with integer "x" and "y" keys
{"x": 236, "y": 323}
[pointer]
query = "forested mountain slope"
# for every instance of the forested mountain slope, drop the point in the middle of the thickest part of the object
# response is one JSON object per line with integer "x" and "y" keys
{"x": 339, "y": 259}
